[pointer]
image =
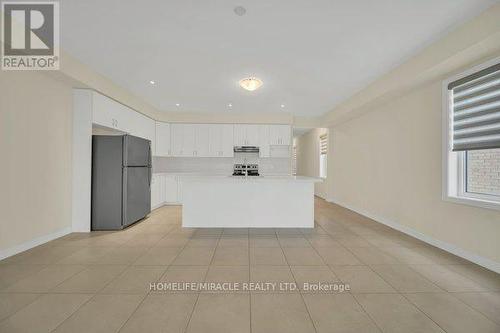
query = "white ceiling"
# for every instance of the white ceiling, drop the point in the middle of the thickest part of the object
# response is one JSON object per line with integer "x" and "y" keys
{"x": 311, "y": 54}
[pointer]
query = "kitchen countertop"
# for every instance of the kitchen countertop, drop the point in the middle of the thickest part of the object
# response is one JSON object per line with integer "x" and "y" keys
{"x": 264, "y": 179}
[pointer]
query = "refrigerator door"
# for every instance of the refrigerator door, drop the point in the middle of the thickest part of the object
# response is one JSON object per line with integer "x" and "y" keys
{"x": 106, "y": 210}
{"x": 136, "y": 151}
{"x": 136, "y": 194}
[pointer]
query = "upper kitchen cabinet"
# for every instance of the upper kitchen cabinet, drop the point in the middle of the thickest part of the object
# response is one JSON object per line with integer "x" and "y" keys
{"x": 189, "y": 140}
{"x": 264, "y": 150}
{"x": 279, "y": 135}
{"x": 162, "y": 139}
{"x": 141, "y": 126}
{"x": 109, "y": 113}
{"x": 202, "y": 142}
{"x": 227, "y": 146}
{"x": 183, "y": 140}
{"x": 106, "y": 112}
{"x": 246, "y": 135}
{"x": 177, "y": 138}
{"x": 221, "y": 140}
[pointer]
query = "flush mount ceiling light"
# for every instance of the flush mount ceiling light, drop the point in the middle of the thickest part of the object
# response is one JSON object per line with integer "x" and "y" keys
{"x": 177, "y": 104}
{"x": 250, "y": 83}
{"x": 239, "y": 10}
{"x": 152, "y": 82}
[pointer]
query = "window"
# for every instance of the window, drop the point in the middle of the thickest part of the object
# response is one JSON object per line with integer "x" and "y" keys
{"x": 323, "y": 152}
{"x": 471, "y": 140}
{"x": 294, "y": 160}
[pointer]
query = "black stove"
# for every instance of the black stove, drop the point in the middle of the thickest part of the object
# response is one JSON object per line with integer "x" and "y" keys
{"x": 250, "y": 170}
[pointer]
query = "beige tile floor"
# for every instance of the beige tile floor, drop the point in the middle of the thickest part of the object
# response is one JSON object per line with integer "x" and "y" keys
{"x": 99, "y": 282}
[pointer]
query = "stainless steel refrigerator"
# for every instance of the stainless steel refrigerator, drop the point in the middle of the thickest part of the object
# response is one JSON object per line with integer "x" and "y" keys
{"x": 121, "y": 181}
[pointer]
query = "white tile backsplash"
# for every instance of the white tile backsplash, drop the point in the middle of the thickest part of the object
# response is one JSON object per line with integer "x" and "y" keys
{"x": 221, "y": 165}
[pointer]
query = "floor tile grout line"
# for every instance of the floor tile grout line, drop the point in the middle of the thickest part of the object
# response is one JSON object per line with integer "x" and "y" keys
{"x": 204, "y": 278}
{"x": 398, "y": 293}
{"x": 26, "y": 305}
{"x": 452, "y": 294}
{"x": 329, "y": 233}
{"x": 249, "y": 295}
{"x": 353, "y": 296}
{"x": 367, "y": 313}
{"x": 301, "y": 295}
{"x": 149, "y": 292}
{"x": 423, "y": 312}
{"x": 98, "y": 292}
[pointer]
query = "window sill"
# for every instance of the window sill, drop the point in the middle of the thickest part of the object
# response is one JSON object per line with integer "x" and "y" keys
{"x": 475, "y": 202}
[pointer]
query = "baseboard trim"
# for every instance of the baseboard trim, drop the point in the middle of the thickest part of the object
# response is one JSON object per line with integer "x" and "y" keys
{"x": 32, "y": 243}
{"x": 477, "y": 259}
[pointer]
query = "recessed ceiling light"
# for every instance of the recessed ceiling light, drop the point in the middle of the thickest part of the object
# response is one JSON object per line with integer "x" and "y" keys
{"x": 177, "y": 104}
{"x": 282, "y": 105}
{"x": 230, "y": 105}
{"x": 251, "y": 83}
{"x": 152, "y": 82}
{"x": 239, "y": 10}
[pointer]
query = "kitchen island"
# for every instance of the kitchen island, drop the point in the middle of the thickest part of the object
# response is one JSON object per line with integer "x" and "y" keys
{"x": 248, "y": 202}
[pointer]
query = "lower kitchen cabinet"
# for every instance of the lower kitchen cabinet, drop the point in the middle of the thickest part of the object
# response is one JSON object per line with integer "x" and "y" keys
{"x": 155, "y": 191}
{"x": 171, "y": 189}
{"x": 165, "y": 190}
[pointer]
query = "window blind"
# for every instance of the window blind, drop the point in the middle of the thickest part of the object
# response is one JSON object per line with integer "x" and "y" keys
{"x": 476, "y": 110}
{"x": 323, "y": 144}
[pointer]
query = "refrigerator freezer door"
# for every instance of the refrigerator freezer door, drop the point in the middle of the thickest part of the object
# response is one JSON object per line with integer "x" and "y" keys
{"x": 136, "y": 194}
{"x": 136, "y": 151}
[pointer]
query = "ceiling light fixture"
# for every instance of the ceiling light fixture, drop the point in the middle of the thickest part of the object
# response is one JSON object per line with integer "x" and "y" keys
{"x": 230, "y": 105}
{"x": 250, "y": 83}
{"x": 282, "y": 106}
{"x": 177, "y": 104}
{"x": 239, "y": 10}
{"x": 152, "y": 82}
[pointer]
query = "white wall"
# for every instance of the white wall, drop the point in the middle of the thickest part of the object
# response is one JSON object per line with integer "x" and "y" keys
{"x": 387, "y": 165}
{"x": 35, "y": 168}
{"x": 385, "y": 147}
{"x": 308, "y": 158}
{"x": 82, "y": 159}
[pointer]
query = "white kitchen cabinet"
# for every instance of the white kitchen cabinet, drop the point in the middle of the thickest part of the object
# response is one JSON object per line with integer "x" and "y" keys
{"x": 162, "y": 139}
{"x": 239, "y": 135}
{"x": 171, "y": 189}
{"x": 246, "y": 135}
{"x": 227, "y": 146}
{"x": 177, "y": 139}
{"x": 106, "y": 112}
{"x": 155, "y": 192}
{"x": 179, "y": 189}
{"x": 188, "y": 140}
{"x": 264, "y": 150}
{"x": 139, "y": 125}
{"x": 202, "y": 144}
{"x": 163, "y": 193}
{"x": 220, "y": 140}
{"x": 112, "y": 114}
{"x": 279, "y": 135}
{"x": 183, "y": 138}
{"x": 253, "y": 135}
